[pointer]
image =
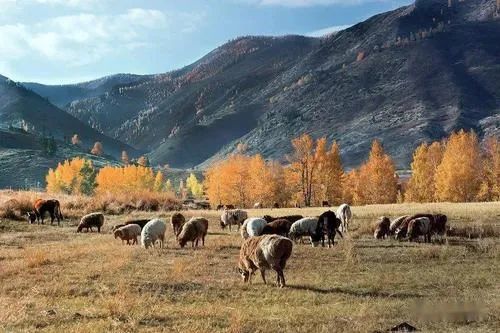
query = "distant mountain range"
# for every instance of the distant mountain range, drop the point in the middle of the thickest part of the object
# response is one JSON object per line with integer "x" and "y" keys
{"x": 410, "y": 75}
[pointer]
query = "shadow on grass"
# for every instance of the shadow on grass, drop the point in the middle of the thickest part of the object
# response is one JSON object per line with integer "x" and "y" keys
{"x": 356, "y": 293}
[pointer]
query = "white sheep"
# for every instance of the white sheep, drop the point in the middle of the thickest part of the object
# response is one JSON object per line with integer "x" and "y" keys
{"x": 153, "y": 230}
{"x": 232, "y": 217}
{"x": 252, "y": 226}
{"x": 306, "y": 226}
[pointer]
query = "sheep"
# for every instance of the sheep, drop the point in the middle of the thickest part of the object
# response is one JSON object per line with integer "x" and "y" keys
{"x": 420, "y": 226}
{"x": 91, "y": 220}
{"x": 265, "y": 252}
{"x": 439, "y": 224}
{"x": 345, "y": 215}
{"x": 257, "y": 205}
{"x": 192, "y": 231}
{"x": 307, "y": 226}
{"x": 382, "y": 228}
{"x": 252, "y": 226}
{"x": 331, "y": 223}
{"x": 402, "y": 230}
{"x": 396, "y": 223}
{"x": 177, "y": 220}
{"x": 230, "y": 217}
{"x": 153, "y": 230}
{"x": 128, "y": 232}
{"x": 291, "y": 218}
{"x": 141, "y": 223}
{"x": 277, "y": 227}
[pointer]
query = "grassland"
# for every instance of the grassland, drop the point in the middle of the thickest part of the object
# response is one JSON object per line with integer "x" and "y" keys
{"x": 52, "y": 280}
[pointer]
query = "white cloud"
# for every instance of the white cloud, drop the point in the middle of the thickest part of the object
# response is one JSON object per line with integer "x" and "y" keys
{"x": 327, "y": 31}
{"x": 76, "y": 40}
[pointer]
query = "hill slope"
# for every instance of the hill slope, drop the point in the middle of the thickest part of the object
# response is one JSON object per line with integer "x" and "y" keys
{"x": 21, "y": 108}
{"x": 406, "y": 76}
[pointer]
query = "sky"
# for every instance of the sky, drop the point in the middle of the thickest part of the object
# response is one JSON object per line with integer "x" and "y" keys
{"x": 68, "y": 41}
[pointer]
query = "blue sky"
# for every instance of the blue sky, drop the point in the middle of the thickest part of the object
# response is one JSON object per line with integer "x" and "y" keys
{"x": 64, "y": 41}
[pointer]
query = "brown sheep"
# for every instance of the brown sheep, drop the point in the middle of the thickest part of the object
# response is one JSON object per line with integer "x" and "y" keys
{"x": 129, "y": 232}
{"x": 91, "y": 220}
{"x": 277, "y": 227}
{"x": 396, "y": 223}
{"x": 177, "y": 220}
{"x": 264, "y": 252}
{"x": 118, "y": 226}
{"x": 420, "y": 226}
{"x": 382, "y": 228}
{"x": 192, "y": 231}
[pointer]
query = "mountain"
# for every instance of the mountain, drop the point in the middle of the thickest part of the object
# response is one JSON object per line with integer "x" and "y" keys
{"x": 61, "y": 95}
{"x": 23, "y": 109}
{"x": 407, "y": 76}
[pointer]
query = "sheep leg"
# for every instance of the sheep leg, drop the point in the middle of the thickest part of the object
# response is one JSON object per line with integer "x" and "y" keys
{"x": 203, "y": 241}
{"x": 263, "y": 274}
{"x": 52, "y": 217}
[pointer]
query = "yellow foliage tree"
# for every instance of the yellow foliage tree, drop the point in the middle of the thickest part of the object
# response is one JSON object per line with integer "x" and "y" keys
{"x": 422, "y": 184}
{"x": 330, "y": 172}
{"x": 194, "y": 186}
{"x": 67, "y": 177}
{"x": 377, "y": 180}
{"x": 158, "y": 183}
{"x": 458, "y": 177}
{"x": 126, "y": 179}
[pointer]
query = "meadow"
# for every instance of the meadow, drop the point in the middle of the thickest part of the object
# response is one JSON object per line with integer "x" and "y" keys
{"x": 53, "y": 279}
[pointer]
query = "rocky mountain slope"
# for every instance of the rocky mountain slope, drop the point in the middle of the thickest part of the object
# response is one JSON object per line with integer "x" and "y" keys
{"x": 406, "y": 76}
{"x": 61, "y": 95}
{"x": 23, "y": 109}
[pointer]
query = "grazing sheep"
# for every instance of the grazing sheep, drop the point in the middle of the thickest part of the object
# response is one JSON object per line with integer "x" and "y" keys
{"x": 192, "y": 231}
{"x": 229, "y": 207}
{"x": 252, "y": 226}
{"x": 277, "y": 227}
{"x": 265, "y": 252}
{"x": 141, "y": 223}
{"x": 402, "y": 231}
{"x": 291, "y": 218}
{"x": 382, "y": 228}
{"x": 438, "y": 226}
{"x": 128, "y": 232}
{"x": 276, "y": 205}
{"x": 232, "y": 217}
{"x": 153, "y": 231}
{"x": 307, "y": 226}
{"x": 177, "y": 220}
{"x": 91, "y": 220}
{"x": 40, "y": 207}
{"x": 219, "y": 207}
{"x": 325, "y": 203}
{"x": 331, "y": 223}
{"x": 345, "y": 216}
{"x": 420, "y": 226}
{"x": 396, "y": 223}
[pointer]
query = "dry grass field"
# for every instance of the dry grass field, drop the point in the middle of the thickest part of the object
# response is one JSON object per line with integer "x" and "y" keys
{"x": 53, "y": 279}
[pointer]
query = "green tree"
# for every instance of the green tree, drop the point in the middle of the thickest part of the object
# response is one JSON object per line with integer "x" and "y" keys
{"x": 88, "y": 174}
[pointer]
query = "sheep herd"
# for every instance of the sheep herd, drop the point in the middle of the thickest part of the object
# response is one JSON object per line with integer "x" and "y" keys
{"x": 267, "y": 241}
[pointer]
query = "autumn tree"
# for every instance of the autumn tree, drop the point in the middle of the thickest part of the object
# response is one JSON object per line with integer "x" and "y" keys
{"x": 304, "y": 162}
{"x": 158, "y": 183}
{"x": 128, "y": 179}
{"x": 458, "y": 177}
{"x": 330, "y": 173}
{"x": 169, "y": 188}
{"x": 490, "y": 185}
{"x": 75, "y": 140}
{"x": 422, "y": 184}
{"x": 194, "y": 186}
{"x": 74, "y": 176}
{"x": 125, "y": 159}
{"x": 377, "y": 180}
{"x": 97, "y": 149}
